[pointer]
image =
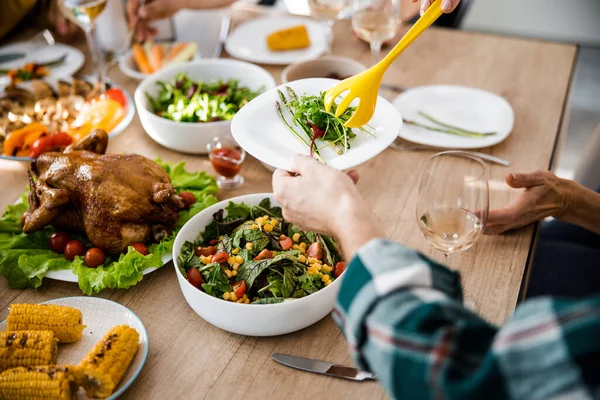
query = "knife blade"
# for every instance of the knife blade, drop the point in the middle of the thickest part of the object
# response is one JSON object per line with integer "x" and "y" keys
{"x": 224, "y": 32}
{"x": 323, "y": 367}
{"x": 10, "y": 57}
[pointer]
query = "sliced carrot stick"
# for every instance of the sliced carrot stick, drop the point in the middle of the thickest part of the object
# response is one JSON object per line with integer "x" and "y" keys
{"x": 156, "y": 57}
{"x": 139, "y": 56}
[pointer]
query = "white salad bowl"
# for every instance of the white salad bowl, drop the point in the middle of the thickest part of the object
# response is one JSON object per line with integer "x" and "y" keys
{"x": 189, "y": 137}
{"x": 250, "y": 319}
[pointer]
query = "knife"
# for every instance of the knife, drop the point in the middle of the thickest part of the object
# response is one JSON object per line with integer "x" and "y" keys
{"x": 10, "y": 57}
{"x": 323, "y": 368}
{"x": 222, "y": 36}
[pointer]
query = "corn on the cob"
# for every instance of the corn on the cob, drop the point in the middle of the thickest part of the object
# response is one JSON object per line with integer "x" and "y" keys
{"x": 27, "y": 349}
{"x": 105, "y": 364}
{"x": 49, "y": 382}
{"x": 64, "y": 321}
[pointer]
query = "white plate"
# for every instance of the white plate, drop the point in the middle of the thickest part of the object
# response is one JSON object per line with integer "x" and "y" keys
{"x": 469, "y": 108}
{"x": 67, "y": 275}
{"x": 129, "y": 113}
{"x": 259, "y": 130}
{"x": 72, "y": 63}
{"x": 99, "y": 316}
{"x": 249, "y": 41}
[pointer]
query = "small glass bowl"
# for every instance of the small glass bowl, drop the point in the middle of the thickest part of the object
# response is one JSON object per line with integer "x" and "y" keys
{"x": 226, "y": 157}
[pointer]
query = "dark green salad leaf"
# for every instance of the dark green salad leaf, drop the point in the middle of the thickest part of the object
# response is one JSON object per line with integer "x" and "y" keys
{"x": 187, "y": 100}
{"x": 268, "y": 277}
{"x": 25, "y": 259}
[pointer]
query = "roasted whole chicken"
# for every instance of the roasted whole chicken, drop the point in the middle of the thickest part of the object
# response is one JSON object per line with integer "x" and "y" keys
{"x": 116, "y": 200}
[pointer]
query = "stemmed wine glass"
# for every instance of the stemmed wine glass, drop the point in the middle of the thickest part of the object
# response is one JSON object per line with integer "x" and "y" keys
{"x": 376, "y": 21}
{"x": 453, "y": 199}
{"x": 328, "y": 11}
{"x": 83, "y": 13}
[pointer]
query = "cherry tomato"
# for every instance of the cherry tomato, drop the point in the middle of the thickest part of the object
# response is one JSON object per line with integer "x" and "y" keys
{"x": 214, "y": 242}
{"x": 285, "y": 243}
{"x": 220, "y": 257}
{"x": 206, "y": 251}
{"x": 61, "y": 139}
{"x": 195, "y": 277}
{"x": 58, "y": 241}
{"x": 315, "y": 251}
{"x": 40, "y": 146}
{"x": 239, "y": 288}
{"x": 339, "y": 268}
{"x": 116, "y": 95}
{"x": 188, "y": 198}
{"x": 94, "y": 257}
{"x": 263, "y": 255}
{"x": 140, "y": 248}
{"x": 74, "y": 248}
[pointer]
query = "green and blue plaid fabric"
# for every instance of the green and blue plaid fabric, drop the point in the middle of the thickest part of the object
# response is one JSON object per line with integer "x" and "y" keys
{"x": 403, "y": 318}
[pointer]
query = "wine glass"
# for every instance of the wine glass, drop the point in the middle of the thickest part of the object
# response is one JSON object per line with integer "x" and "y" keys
{"x": 226, "y": 157}
{"x": 328, "y": 11}
{"x": 376, "y": 21}
{"x": 453, "y": 199}
{"x": 83, "y": 13}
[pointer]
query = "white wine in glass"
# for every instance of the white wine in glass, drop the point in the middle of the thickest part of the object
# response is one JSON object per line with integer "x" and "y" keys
{"x": 453, "y": 201}
{"x": 376, "y": 21}
{"x": 83, "y": 13}
{"x": 328, "y": 11}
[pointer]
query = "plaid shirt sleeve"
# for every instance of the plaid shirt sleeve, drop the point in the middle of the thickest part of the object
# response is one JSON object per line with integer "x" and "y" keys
{"x": 403, "y": 318}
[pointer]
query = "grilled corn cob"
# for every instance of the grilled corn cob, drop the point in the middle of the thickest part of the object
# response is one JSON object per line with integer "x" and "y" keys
{"x": 105, "y": 364}
{"x": 27, "y": 349}
{"x": 64, "y": 321}
{"x": 49, "y": 382}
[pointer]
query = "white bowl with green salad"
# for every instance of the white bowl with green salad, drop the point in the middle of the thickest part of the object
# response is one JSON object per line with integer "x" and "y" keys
{"x": 185, "y": 106}
{"x": 244, "y": 269}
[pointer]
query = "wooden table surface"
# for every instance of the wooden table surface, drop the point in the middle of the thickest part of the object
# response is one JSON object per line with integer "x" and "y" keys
{"x": 189, "y": 358}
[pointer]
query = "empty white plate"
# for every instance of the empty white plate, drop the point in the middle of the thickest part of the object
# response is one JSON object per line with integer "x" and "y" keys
{"x": 249, "y": 41}
{"x": 468, "y": 108}
{"x": 99, "y": 316}
{"x": 260, "y": 131}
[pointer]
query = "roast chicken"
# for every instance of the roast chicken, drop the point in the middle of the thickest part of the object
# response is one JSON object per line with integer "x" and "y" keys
{"x": 116, "y": 200}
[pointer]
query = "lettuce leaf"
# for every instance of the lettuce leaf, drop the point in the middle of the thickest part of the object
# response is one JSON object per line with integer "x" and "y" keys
{"x": 26, "y": 259}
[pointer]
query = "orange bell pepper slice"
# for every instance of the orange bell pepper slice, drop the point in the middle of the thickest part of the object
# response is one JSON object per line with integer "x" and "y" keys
{"x": 15, "y": 142}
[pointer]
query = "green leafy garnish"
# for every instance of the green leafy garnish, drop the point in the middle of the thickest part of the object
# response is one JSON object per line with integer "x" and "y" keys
{"x": 186, "y": 100}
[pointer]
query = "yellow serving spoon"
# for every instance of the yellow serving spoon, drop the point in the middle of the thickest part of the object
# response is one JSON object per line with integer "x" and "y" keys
{"x": 365, "y": 86}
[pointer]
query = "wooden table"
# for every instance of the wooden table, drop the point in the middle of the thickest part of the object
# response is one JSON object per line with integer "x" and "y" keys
{"x": 189, "y": 358}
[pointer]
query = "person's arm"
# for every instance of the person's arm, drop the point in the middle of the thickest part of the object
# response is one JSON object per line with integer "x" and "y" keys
{"x": 403, "y": 319}
{"x": 546, "y": 195}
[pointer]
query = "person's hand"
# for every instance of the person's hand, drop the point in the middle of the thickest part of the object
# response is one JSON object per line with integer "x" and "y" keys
{"x": 447, "y": 5}
{"x": 64, "y": 28}
{"x": 545, "y": 195}
{"x": 322, "y": 199}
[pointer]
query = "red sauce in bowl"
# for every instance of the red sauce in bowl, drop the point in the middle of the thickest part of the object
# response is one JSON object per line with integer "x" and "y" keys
{"x": 226, "y": 161}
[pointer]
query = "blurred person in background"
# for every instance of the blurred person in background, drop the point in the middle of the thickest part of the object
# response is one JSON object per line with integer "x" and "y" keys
{"x": 154, "y": 10}
{"x": 44, "y": 12}
{"x": 402, "y": 314}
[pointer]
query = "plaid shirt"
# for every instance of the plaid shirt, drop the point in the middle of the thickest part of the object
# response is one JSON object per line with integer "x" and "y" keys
{"x": 403, "y": 318}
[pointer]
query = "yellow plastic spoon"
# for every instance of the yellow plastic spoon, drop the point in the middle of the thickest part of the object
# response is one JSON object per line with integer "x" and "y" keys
{"x": 365, "y": 86}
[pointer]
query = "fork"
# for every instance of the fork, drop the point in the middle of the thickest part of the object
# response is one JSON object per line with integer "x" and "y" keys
{"x": 403, "y": 146}
{"x": 365, "y": 86}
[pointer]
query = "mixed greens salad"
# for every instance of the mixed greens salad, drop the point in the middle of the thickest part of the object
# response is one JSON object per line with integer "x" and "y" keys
{"x": 186, "y": 100}
{"x": 314, "y": 122}
{"x": 250, "y": 254}
{"x": 26, "y": 258}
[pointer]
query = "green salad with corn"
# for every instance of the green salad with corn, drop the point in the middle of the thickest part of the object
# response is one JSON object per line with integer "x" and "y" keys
{"x": 250, "y": 254}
